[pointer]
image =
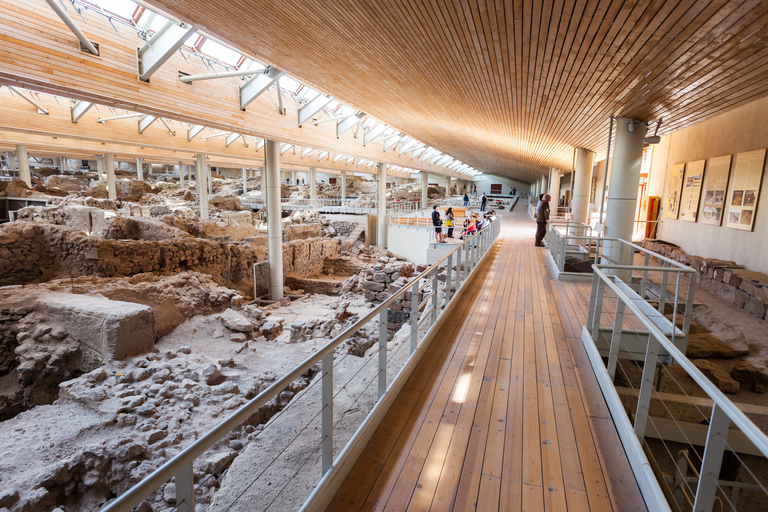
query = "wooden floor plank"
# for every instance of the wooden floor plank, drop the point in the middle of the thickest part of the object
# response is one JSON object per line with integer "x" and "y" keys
{"x": 503, "y": 412}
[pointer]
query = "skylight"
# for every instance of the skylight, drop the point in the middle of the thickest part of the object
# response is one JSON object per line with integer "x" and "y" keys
{"x": 220, "y": 52}
{"x": 290, "y": 85}
{"x": 121, "y": 8}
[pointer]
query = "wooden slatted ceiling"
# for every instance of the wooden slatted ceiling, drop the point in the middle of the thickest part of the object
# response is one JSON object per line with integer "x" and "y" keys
{"x": 508, "y": 86}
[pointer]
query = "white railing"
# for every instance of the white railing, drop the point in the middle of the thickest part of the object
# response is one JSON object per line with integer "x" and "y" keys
{"x": 704, "y": 423}
{"x": 428, "y": 310}
{"x": 332, "y": 205}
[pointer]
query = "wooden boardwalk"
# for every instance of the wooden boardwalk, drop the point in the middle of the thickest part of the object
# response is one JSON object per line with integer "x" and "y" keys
{"x": 503, "y": 412}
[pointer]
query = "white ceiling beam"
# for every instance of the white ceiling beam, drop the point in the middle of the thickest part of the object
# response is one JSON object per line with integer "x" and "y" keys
{"x": 312, "y": 107}
{"x": 257, "y": 84}
{"x": 78, "y": 110}
{"x": 194, "y": 130}
{"x": 145, "y": 122}
{"x": 161, "y": 46}
{"x": 374, "y": 132}
{"x": 350, "y": 122}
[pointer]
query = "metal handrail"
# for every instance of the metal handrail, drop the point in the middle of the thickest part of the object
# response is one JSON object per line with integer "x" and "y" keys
{"x": 180, "y": 466}
{"x": 724, "y": 411}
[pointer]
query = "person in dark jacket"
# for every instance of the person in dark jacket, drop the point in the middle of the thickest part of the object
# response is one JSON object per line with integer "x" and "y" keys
{"x": 437, "y": 223}
{"x": 483, "y": 200}
{"x": 466, "y": 200}
{"x": 542, "y": 217}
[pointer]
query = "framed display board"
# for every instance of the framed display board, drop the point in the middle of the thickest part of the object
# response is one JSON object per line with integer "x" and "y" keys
{"x": 674, "y": 189}
{"x": 718, "y": 171}
{"x": 694, "y": 177}
{"x": 747, "y": 178}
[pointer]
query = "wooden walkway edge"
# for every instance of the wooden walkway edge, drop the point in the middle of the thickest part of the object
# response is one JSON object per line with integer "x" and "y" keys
{"x": 503, "y": 412}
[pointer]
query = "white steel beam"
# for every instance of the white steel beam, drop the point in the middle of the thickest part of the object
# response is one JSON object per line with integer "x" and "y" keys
{"x": 344, "y": 125}
{"x": 312, "y": 107}
{"x": 373, "y": 133}
{"x": 257, "y": 84}
{"x": 226, "y": 74}
{"x": 305, "y": 152}
{"x": 232, "y": 137}
{"x": 260, "y": 144}
{"x": 87, "y": 44}
{"x": 103, "y": 120}
{"x": 78, "y": 110}
{"x": 168, "y": 125}
{"x": 145, "y": 122}
{"x": 40, "y": 109}
{"x": 161, "y": 46}
{"x": 194, "y": 130}
{"x": 285, "y": 147}
{"x": 392, "y": 141}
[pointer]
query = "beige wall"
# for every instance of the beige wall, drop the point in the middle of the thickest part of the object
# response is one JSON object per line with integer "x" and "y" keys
{"x": 737, "y": 131}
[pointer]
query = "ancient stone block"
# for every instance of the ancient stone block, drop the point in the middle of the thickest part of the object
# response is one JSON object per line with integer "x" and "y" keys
{"x": 752, "y": 373}
{"x": 727, "y": 344}
{"x": 718, "y": 376}
{"x": 755, "y": 307}
{"x": 235, "y": 321}
{"x": 380, "y": 277}
{"x": 374, "y": 286}
{"x": 113, "y": 329}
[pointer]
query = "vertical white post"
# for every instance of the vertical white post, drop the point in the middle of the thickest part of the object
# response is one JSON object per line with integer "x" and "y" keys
{"x": 383, "y": 319}
{"x": 100, "y": 167}
{"x": 327, "y": 414}
{"x": 263, "y": 176}
{"x": 185, "y": 489}
{"x": 554, "y": 189}
{"x": 343, "y": 188}
{"x": 24, "y": 173}
{"x": 201, "y": 175}
{"x": 581, "y": 186}
{"x": 713, "y": 458}
{"x": 381, "y": 231}
{"x": 312, "y": 186}
{"x": 414, "y": 315}
{"x": 245, "y": 181}
{"x": 424, "y": 188}
{"x": 447, "y": 186}
{"x": 181, "y": 175}
{"x": 209, "y": 178}
{"x": 11, "y": 162}
{"x": 622, "y": 193}
{"x": 139, "y": 170}
{"x": 274, "y": 220}
{"x": 109, "y": 163}
{"x": 293, "y": 177}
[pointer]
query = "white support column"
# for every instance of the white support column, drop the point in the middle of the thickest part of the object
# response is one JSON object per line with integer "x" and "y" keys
{"x": 582, "y": 184}
{"x": 245, "y": 181}
{"x": 274, "y": 220}
{"x": 201, "y": 175}
{"x": 100, "y": 167}
{"x": 554, "y": 187}
{"x": 447, "y": 186}
{"x": 11, "y": 162}
{"x": 622, "y": 192}
{"x": 424, "y": 188}
{"x": 209, "y": 179}
{"x": 109, "y": 163}
{"x": 139, "y": 169}
{"x": 293, "y": 177}
{"x": 181, "y": 175}
{"x": 343, "y": 188}
{"x": 381, "y": 230}
{"x": 24, "y": 173}
{"x": 313, "y": 185}
{"x": 263, "y": 181}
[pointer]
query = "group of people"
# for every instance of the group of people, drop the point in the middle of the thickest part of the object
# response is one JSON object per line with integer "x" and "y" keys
{"x": 472, "y": 225}
{"x": 483, "y": 200}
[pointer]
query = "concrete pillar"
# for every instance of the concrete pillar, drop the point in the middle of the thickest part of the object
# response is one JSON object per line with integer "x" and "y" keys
{"x": 201, "y": 174}
{"x": 208, "y": 179}
{"x": 293, "y": 178}
{"x": 245, "y": 181}
{"x": 581, "y": 185}
{"x": 24, "y": 173}
{"x": 343, "y": 188}
{"x": 381, "y": 230}
{"x": 447, "y": 185}
{"x": 274, "y": 220}
{"x": 312, "y": 185}
{"x": 109, "y": 163}
{"x": 554, "y": 187}
{"x": 424, "y": 188}
{"x": 139, "y": 170}
{"x": 622, "y": 190}
{"x": 100, "y": 166}
{"x": 263, "y": 176}
{"x": 181, "y": 175}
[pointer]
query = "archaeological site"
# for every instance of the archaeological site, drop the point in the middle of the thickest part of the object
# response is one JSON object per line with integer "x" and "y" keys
{"x": 383, "y": 256}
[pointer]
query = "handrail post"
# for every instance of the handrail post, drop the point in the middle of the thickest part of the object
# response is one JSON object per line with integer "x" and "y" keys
{"x": 646, "y": 386}
{"x": 598, "y": 309}
{"x": 458, "y": 268}
{"x": 712, "y": 460}
{"x": 448, "y": 280}
{"x": 563, "y": 247}
{"x": 185, "y": 489}
{"x": 644, "y": 282}
{"x": 327, "y": 416}
{"x": 414, "y": 315}
{"x": 383, "y": 317}
{"x": 435, "y": 302}
{"x": 618, "y": 323}
{"x": 663, "y": 289}
{"x": 592, "y": 299}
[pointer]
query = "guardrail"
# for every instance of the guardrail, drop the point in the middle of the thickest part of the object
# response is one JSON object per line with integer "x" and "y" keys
{"x": 671, "y": 425}
{"x": 332, "y": 205}
{"x": 426, "y": 316}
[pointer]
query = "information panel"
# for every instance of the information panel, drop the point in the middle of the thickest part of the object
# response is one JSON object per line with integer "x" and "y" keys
{"x": 694, "y": 177}
{"x": 674, "y": 189}
{"x": 718, "y": 171}
{"x": 747, "y": 177}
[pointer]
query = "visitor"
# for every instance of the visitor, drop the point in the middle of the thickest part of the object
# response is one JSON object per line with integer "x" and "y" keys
{"x": 475, "y": 186}
{"x": 492, "y": 216}
{"x": 466, "y": 200}
{"x": 297, "y": 182}
{"x": 483, "y": 200}
{"x": 449, "y": 221}
{"x": 514, "y": 191}
{"x": 436, "y": 223}
{"x": 542, "y": 216}
{"x": 469, "y": 229}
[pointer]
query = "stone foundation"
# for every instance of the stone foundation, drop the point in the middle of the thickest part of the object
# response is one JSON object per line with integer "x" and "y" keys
{"x": 741, "y": 287}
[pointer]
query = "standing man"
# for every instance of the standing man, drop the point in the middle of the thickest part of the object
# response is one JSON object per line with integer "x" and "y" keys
{"x": 542, "y": 216}
{"x": 483, "y": 200}
{"x": 436, "y": 223}
{"x": 466, "y": 198}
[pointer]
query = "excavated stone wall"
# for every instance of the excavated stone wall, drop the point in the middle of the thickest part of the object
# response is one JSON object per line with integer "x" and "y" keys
{"x": 741, "y": 287}
{"x": 34, "y": 252}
